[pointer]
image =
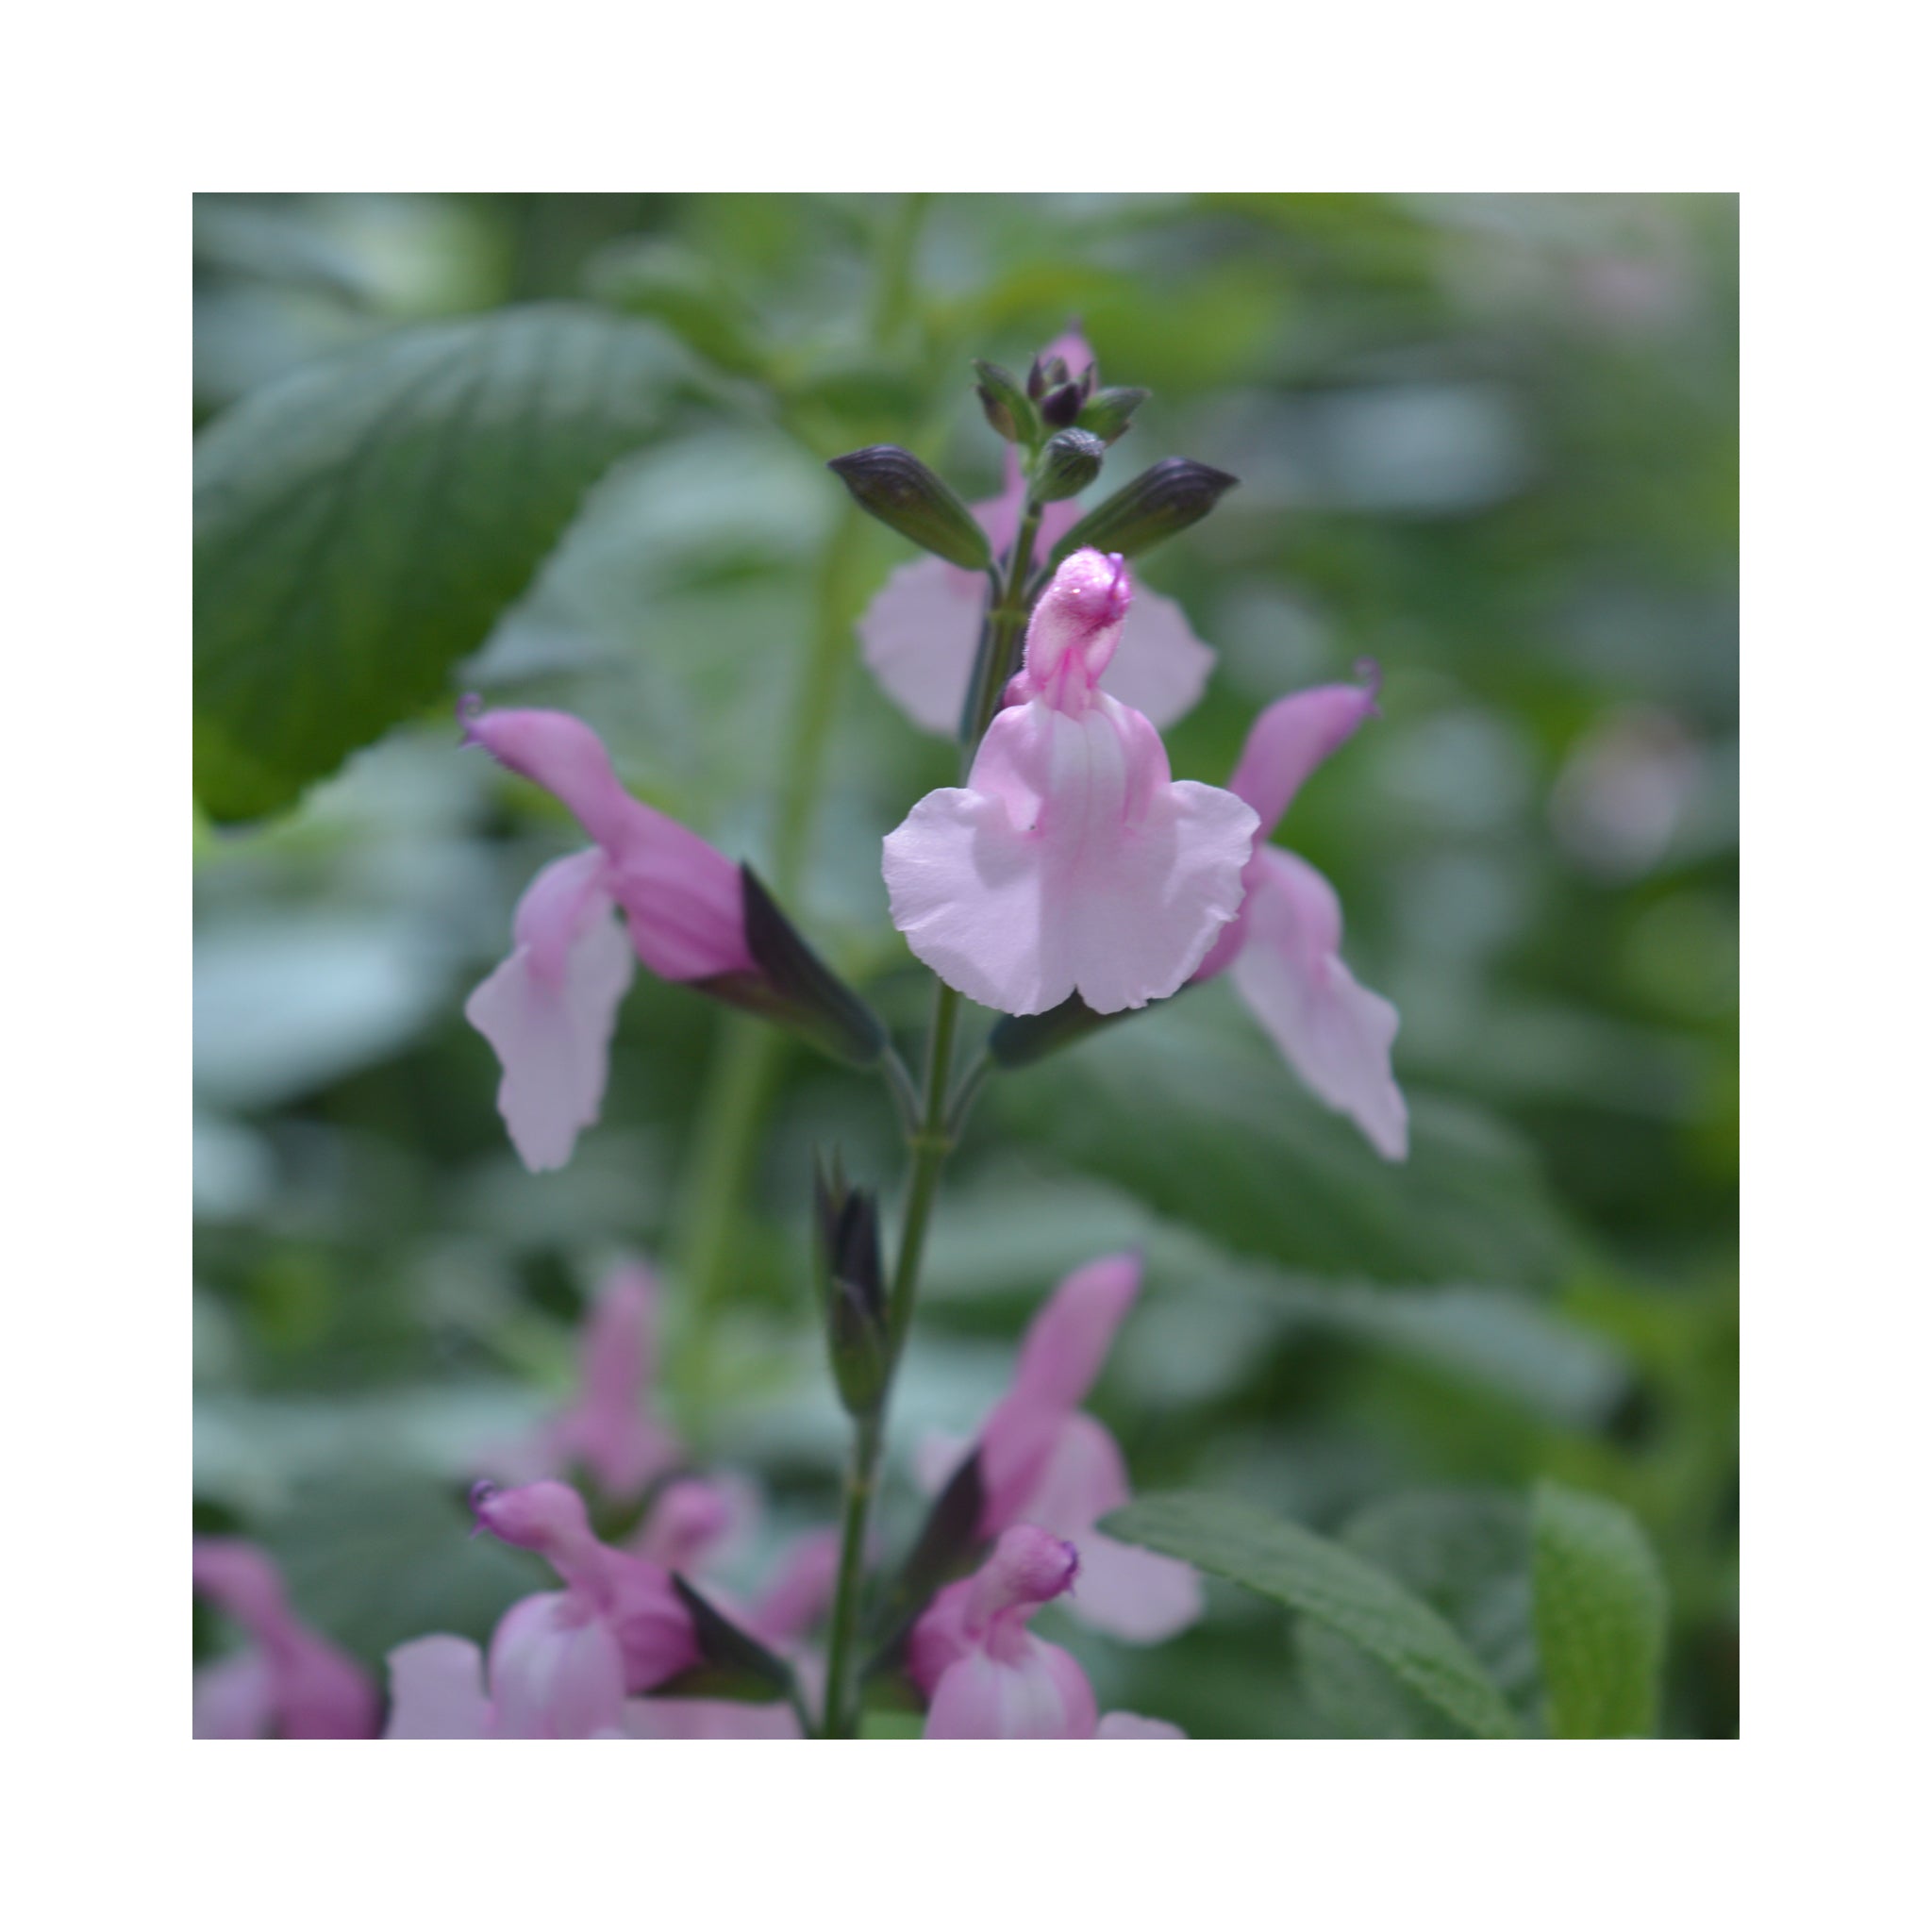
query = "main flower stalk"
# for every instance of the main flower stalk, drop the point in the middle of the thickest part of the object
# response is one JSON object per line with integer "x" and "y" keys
{"x": 929, "y": 1141}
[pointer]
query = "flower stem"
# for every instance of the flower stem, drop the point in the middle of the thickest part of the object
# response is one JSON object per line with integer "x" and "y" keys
{"x": 930, "y": 1141}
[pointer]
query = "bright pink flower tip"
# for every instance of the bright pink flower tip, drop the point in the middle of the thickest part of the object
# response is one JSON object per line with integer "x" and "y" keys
{"x": 1028, "y": 1565}
{"x": 1075, "y": 628}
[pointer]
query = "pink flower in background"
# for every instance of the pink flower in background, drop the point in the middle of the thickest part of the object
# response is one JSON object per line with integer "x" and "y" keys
{"x": 985, "y": 1674}
{"x": 1043, "y": 1461}
{"x": 608, "y": 1429}
{"x": 1069, "y": 860}
{"x": 550, "y": 1008}
{"x": 293, "y": 1683}
{"x": 1284, "y": 947}
{"x": 920, "y": 633}
{"x": 560, "y": 1664}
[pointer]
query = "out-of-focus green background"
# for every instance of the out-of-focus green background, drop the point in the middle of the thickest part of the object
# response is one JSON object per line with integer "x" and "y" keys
{"x": 1491, "y": 442}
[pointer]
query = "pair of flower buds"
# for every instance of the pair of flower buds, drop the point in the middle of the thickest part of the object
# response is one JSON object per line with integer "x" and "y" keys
{"x": 1071, "y": 862}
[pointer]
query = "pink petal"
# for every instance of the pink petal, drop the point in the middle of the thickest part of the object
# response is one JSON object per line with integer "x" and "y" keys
{"x": 1059, "y": 1359}
{"x": 322, "y": 1693}
{"x": 556, "y": 1670}
{"x": 1072, "y": 1480}
{"x": 550, "y": 1008}
{"x": 686, "y": 1521}
{"x": 1127, "y": 1723}
{"x": 606, "y": 1429}
{"x": 1069, "y": 862}
{"x": 1041, "y": 1694}
{"x": 1291, "y": 737}
{"x": 1131, "y": 1594}
{"x": 234, "y": 1697}
{"x": 436, "y": 1689}
{"x": 1067, "y": 1342}
{"x": 683, "y": 898}
{"x": 920, "y": 636}
{"x": 1333, "y": 1032}
{"x": 1071, "y": 348}
{"x": 1161, "y": 667}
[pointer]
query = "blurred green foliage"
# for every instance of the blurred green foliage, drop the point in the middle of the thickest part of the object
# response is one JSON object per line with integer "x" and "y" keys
{"x": 1489, "y": 442}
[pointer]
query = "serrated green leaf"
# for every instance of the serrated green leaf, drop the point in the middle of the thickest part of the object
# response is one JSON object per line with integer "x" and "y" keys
{"x": 1600, "y": 1610}
{"x": 1322, "y": 1580}
{"x": 361, "y": 524}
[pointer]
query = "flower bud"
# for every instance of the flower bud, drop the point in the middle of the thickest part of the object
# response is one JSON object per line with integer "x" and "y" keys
{"x": 1157, "y": 504}
{"x": 790, "y": 985}
{"x": 850, "y": 1284}
{"x": 1059, "y": 408}
{"x": 1070, "y": 461}
{"x": 1110, "y": 414}
{"x": 1046, "y": 374}
{"x": 1006, "y": 404}
{"x": 892, "y": 485}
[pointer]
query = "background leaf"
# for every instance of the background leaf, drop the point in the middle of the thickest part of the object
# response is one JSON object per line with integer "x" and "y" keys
{"x": 361, "y": 524}
{"x": 1465, "y": 1553}
{"x": 1324, "y": 1581}
{"x": 1600, "y": 1609}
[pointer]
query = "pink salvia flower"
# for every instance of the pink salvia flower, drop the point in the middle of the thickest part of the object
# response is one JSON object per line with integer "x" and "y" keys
{"x": 560, "y": 1664}
{"x": 1069, "y": 860}
{"x": 920, "y": 633}
{"x": 294, "y": 1683}
{"x": 1284, "y": 947}
{"x": 986, "y": 1675}
{"x": 1043, "y": 1460}
{"x": 550, "y": 1008}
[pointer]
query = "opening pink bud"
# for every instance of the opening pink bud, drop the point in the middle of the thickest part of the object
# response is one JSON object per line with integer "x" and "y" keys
{"x": 1029, "y": 1566}
{"x": 1077, "y": 627}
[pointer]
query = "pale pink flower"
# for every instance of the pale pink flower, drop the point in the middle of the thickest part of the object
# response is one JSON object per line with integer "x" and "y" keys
{"x": 550, "y": 1008}
{"x": 985, "y": 1674}
{"x": 1284, "y": 947}
{"x": 1069, "y": 860}
{"x": 560, "y": 1664}
{"x": 1043, "y": 1460}
{"x": 292, "y": 1683}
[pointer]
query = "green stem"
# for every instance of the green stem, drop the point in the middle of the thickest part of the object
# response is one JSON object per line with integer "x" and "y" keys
{"x": 930, "y": 1141}
{"x": 861, "y": 1474}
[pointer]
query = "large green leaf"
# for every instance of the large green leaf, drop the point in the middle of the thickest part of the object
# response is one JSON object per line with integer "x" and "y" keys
{"x": 1600, "y": 1608}
{"x": 360, "y": 525}
{"x": 1324, "y": 1581}
{"x": 1189, "y": 1109}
